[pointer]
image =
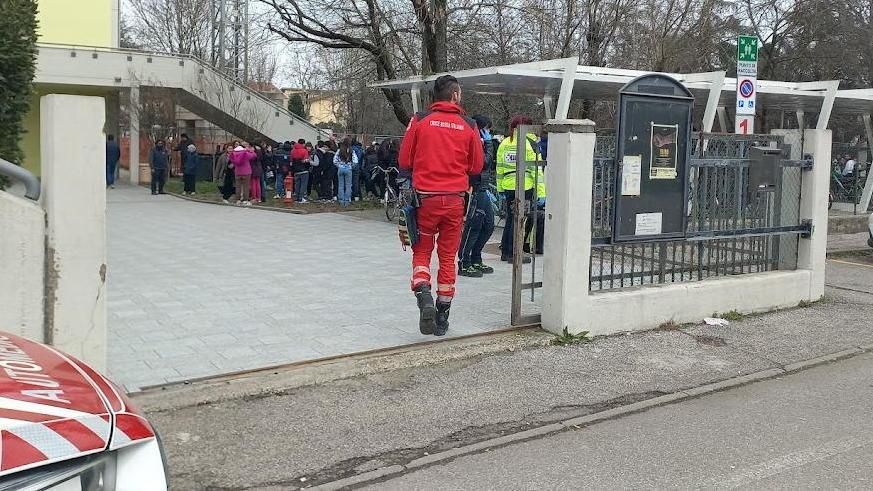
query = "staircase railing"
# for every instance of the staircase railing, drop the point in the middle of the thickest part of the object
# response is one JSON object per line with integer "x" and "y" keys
{"x": 199, "y": 61}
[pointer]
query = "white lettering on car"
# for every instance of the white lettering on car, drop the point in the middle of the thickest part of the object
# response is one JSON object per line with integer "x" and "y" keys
{"x": 21, "y": 368}
{"x": 49, "y": 395}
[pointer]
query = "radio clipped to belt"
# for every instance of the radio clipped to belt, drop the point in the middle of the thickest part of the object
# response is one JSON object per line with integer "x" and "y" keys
{"x": 408, "y": 222}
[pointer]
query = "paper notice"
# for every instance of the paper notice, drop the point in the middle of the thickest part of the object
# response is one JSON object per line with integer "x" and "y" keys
{"x": 631, "y": 174}
{"x": 648, "y": 224}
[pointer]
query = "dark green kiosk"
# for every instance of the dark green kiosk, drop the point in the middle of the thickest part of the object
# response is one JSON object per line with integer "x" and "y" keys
{"x": 653, "y": 152}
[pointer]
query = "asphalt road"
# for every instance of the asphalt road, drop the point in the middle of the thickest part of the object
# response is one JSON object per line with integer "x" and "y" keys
{"x": 809, "y": 430}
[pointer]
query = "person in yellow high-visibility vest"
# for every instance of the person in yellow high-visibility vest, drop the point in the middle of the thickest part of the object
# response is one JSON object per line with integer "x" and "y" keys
{"x": 507, "y": 156}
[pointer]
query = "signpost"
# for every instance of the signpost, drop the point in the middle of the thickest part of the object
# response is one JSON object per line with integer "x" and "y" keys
{"x": 747, "y": 84}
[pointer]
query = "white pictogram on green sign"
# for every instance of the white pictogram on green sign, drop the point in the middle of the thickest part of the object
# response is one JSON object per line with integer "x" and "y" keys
{"x": 747, "y": 48}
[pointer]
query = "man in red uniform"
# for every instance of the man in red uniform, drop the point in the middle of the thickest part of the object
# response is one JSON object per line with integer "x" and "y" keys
{"x": 442, "y": 148}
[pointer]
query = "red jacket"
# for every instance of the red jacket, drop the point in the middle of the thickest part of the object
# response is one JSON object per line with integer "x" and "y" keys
{"x": 443, "y": 149}
{"x": 299, "y": 152}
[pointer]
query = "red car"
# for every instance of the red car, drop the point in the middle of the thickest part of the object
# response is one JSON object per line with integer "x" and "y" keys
{"x": 63, "y": 426}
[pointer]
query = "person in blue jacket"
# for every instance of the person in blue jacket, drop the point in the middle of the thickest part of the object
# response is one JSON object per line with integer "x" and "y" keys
{"x": 189, "y": 169}
{"x": 113, "y": 155}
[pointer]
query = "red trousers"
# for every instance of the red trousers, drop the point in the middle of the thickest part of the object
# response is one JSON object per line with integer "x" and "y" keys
{"x": 256, "y": 189}
{"x": 440, "y": 223}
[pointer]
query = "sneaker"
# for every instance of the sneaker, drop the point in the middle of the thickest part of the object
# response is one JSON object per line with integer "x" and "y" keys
{"x": 483, "y": 268}
{"x": 442, "y": 318}
{"x": 247, "y": 203}
{"x": 225, "y": 201}
{"x": 154, "y": 193}
{"x": 470, "y": 271}
{"x": 427, "y": 312}
{"x": 276, "y": 197}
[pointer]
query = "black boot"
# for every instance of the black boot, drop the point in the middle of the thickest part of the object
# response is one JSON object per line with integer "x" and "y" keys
{"x": 427, "y": 312}
{"x": 442, "y": 318}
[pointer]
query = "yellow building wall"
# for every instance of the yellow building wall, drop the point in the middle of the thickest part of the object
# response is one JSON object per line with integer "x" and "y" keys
{"x": 80, "y": 22}
{"x": 322, "y": 111}
{"x": 29, "y": 142}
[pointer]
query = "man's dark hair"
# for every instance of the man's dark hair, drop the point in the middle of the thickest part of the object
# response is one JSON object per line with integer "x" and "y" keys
{"x": 444, "y": 86}
{"x": 184, "y": 135}
{"x": 302, "y": 141}
{"x": 110, "y": 137}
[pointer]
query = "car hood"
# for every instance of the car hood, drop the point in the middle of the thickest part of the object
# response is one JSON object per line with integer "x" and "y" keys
{"x": 54, "y": 407}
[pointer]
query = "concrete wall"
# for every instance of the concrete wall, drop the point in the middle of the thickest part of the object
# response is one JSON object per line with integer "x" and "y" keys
{"x": 22, "y": 258}
{"x": 567, "y": 301}
{"x": 73, "y": 179}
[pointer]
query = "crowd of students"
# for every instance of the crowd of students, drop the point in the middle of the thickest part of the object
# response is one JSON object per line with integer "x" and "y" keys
{"x": 327, "y": 171}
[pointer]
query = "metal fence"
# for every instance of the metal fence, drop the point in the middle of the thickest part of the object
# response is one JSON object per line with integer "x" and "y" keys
{"x": 730, "y": 231}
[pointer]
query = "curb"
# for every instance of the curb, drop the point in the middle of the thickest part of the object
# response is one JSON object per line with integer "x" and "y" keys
{"x": 576, "y": 423}
{"x": 264, "y": 208}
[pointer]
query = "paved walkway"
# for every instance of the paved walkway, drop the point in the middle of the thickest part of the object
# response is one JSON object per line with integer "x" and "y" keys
{"x": 198, "y": 290}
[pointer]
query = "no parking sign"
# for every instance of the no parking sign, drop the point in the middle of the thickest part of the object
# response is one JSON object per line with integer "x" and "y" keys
{"x": 747, "y": 90}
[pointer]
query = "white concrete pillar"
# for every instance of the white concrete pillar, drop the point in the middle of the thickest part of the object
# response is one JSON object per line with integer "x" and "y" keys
{"x": 22, "y": 261}
{"x": 549, "y": 107}
{"x": 415, "y": 95}
{"x": 722, "y": 120}
{"x": 133, "y": 116}
{"x": 811, "y": 251}
{"x": 74, "y": 198}
{"x": 568, "y": 225}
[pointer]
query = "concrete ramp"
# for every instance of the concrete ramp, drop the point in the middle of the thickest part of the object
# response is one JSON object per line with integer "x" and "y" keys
{"x": 201, "y": 88}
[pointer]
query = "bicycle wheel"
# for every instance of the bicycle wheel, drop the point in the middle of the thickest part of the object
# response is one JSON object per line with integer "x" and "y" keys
{"x": 391, "y": 206}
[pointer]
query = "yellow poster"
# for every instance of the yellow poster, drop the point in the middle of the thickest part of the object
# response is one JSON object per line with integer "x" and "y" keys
{"x": 664, "y": 144}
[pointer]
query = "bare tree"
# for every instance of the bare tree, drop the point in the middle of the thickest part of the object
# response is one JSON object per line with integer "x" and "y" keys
{"x": 173, "y": 26}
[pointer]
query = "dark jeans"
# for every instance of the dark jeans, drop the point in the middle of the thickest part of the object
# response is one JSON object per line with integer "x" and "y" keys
{"x": 508, "y": 228}
{"x": 110, "y": 173}
{"x": 280, "y": 184}
{"x": 189, "y": 180}
{"x": 369, "y": 186}
{"x": 477, "y": 230}
{"x": 356, "y": 183}
{"x": 159, "y": 178}
{"x": 301, "y": 185}
{"x": 227, "y": 187}
{"x": 327, "y": 189}
{"x": 314, "y": 180}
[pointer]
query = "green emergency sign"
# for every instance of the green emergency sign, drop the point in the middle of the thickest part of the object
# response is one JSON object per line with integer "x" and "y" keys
{"x": 747, "y": 48}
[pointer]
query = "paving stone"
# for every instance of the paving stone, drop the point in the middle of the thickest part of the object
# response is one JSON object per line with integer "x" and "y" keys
{"x": 194, "y": 278}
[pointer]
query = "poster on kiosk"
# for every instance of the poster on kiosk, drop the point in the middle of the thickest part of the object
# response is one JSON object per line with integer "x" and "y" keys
{"x": 653, "y": 151}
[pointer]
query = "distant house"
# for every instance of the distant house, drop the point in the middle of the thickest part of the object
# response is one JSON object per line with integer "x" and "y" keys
{"x": 323, "y": 106}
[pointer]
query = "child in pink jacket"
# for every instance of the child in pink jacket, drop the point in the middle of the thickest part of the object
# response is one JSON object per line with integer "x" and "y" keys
{"x": 241, "y": 158}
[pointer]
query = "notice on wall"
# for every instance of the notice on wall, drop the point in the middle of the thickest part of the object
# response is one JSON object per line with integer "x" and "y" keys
{"x": 648, "y": 224}
{"x": 631, "y": 175}
{"x": 664, "y": 143}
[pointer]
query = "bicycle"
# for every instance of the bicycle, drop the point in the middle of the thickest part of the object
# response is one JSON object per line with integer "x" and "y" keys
{"x": 843, "y": 188}
{"x": 398, "y": 191}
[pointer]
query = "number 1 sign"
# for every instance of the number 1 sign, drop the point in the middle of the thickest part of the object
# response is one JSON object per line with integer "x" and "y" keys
{"x": 745, "y": 125}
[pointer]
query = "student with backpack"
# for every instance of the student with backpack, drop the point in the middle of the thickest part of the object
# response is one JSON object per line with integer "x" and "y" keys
{"x": 300, "y": 168}
{"x": 283, "y": 167}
